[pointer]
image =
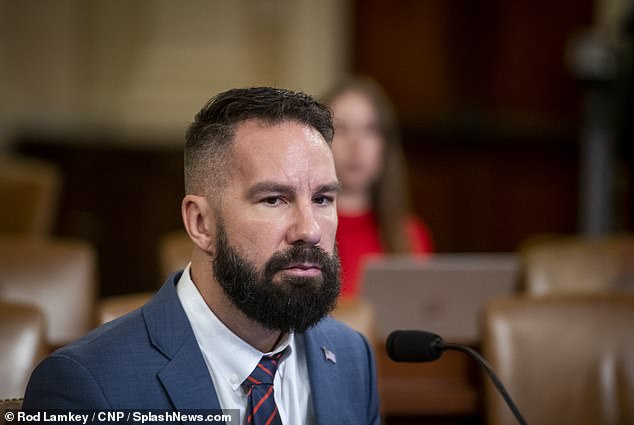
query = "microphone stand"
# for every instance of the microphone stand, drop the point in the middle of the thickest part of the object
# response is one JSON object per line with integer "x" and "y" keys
{"x": 443, "y": 346}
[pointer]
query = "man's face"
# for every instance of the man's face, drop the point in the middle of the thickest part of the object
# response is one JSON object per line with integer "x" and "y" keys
{"x": 276, "y": 225}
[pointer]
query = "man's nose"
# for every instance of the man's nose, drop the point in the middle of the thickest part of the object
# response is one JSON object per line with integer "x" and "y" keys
{"x": 305, "y": 228}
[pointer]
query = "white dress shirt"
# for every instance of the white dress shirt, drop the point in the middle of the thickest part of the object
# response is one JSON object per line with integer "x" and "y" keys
{"x": 231, "y": 360}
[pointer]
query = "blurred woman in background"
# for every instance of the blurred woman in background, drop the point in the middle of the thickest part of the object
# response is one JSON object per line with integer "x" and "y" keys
{"x": 374, "y": 211}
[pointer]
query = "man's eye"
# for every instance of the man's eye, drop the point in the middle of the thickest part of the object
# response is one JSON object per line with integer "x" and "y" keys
{"x": 272, "y": 200}
{"x": 322, "y": 200}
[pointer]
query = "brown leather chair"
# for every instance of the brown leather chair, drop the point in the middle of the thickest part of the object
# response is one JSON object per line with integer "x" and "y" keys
{"x": 175, "y": 251}
{"x": 6, "y": 405}
{"x": 561, "y": 265}
{"x": 110, "y": 308}
{"x": 56, "y": 275}
{"x": 359, "y": 315}
{"x": 564, "y": 359}
{"x": 29, "y": 191}
{"x": 21, "y": 346}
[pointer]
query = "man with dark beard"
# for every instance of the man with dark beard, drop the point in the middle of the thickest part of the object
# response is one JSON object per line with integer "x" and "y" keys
{"x": 244, "y": 326}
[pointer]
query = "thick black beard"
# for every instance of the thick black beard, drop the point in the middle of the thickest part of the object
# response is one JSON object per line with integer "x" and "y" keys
{"x": 289, "y": 304}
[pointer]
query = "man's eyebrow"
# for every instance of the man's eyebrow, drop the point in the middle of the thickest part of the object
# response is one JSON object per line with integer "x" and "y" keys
{"x": 272, "y": 187}
{"x": 331, "y": 187}
{"x": 267, "y": 187}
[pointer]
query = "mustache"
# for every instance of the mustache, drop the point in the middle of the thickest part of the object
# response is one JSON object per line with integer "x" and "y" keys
{"x": 298, "y": 254}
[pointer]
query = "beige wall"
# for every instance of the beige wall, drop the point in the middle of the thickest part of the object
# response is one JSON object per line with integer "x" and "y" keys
{"x": 143, "y": 68}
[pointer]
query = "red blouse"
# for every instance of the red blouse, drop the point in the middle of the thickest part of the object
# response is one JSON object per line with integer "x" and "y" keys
{"x": 358, "y": 237}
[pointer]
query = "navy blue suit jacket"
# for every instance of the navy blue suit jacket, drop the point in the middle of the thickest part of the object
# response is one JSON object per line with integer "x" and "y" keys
{"x": 149, "y": 359}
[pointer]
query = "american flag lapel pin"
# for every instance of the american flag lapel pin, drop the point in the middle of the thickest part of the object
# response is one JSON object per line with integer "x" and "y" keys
{"x": 329, "y": 355}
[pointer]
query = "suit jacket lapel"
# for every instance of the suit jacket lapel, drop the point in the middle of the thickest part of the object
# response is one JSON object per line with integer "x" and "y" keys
{"x": 186, "y": 377}
{"x": 324, "y": 374}
{"x": 187, "y": 381}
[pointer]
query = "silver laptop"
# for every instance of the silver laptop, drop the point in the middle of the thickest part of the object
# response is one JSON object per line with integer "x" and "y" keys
{"x": 442, "y": 293}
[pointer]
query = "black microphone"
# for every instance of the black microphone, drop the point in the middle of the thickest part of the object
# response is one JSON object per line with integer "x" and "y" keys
{"x": 422, "y": 346}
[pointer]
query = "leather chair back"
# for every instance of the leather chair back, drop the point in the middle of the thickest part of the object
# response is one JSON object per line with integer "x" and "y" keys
{"x": 7, "y": 404}
{"x": 58, "y": 276}
{"x": 564, "y": 359}
{"x": 563, "y": 265}
{"x": 29, "y": 190}
{"x": 110, "y": 308}
{"x": 359, "y": 315}
{"x": 175, "y": 252}
{"x": 21, "y": 346}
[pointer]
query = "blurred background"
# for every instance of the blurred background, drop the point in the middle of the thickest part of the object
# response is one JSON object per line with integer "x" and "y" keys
{"x": 516, "y": 115}
{"x": 497, "y": 103}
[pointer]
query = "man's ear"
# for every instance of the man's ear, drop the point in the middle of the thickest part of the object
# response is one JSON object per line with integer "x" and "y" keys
{"x": 200, "y": 221}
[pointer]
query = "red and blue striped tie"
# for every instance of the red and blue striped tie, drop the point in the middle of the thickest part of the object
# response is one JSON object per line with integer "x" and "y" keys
{"x": 261, "y": 408}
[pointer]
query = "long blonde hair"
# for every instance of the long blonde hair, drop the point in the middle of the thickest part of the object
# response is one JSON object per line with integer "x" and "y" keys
{"x": 390, "y": 194}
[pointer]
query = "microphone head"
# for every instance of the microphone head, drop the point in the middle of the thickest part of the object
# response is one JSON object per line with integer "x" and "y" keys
{"x": 414, "y": 346}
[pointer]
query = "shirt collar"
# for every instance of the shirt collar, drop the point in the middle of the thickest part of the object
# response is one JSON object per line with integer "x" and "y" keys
{"x": 230, "y": 355}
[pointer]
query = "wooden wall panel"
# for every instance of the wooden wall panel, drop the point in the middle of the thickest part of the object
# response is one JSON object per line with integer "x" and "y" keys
{"x": 490, "y": 114}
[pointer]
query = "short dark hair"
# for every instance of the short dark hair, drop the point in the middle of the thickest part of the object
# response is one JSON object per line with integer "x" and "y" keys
{"x": 210, "y": 135}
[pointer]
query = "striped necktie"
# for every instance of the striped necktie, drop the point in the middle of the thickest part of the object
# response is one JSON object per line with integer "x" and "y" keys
{"x": 261, "y": 408}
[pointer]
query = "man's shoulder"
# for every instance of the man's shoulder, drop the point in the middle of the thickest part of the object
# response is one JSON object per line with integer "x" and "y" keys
{"x": 338, "y": 333}
{"x": 335, "y": 327}
{"x": 114, "y": 365}
{"x": 108, "y": 340}
{"x": 129, "y": 335}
